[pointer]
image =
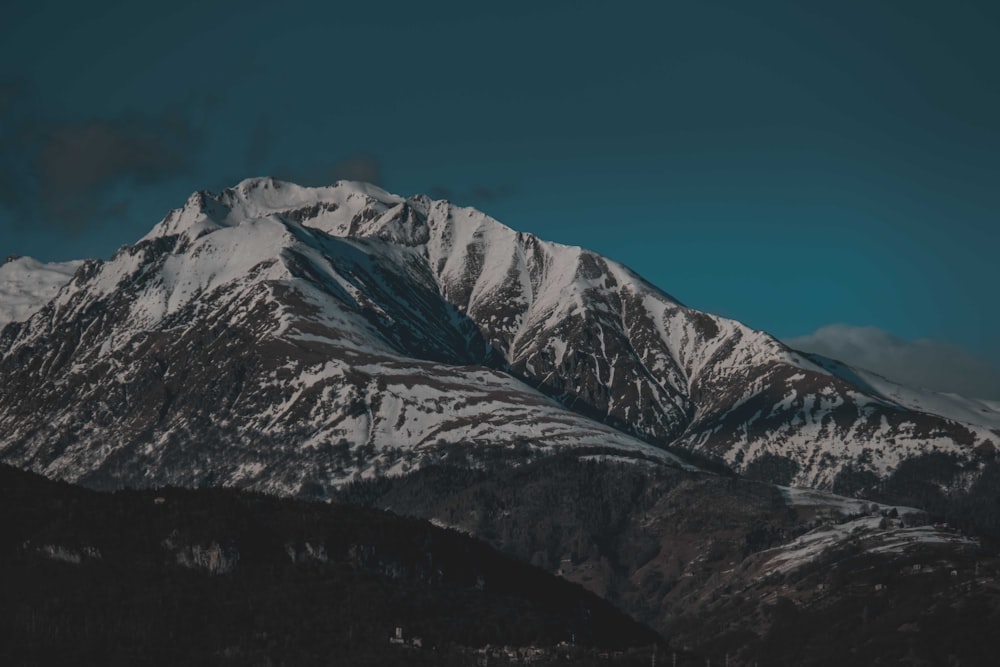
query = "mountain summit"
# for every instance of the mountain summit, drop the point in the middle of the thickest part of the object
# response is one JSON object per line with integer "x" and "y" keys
{"x": 291, "y": 339}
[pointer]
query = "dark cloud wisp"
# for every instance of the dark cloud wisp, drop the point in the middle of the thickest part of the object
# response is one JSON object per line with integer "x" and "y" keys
{"x": 477, "y": 195}
{"x": 362, "y": 167}
{"x": 63, "y": 173}
{"x": 78, "y": 164}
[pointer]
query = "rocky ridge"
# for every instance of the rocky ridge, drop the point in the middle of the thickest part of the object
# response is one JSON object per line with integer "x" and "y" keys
{"x": 274, "y": 336}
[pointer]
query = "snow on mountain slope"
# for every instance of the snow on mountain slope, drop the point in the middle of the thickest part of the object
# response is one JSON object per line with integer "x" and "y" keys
{"x": 602, "y": 341}
{"x": 27, "y": 284}
{"x": 277, "y": 336}
{"x": 950, "y": 406}
{"x": 259, "y": 352}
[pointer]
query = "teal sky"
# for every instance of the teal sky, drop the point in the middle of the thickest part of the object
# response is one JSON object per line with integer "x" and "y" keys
{"x": 792, "y": 165}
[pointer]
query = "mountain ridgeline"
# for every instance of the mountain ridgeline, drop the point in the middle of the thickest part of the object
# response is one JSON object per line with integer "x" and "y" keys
{"x": 344, "y": 343}
{"x": 282, "y": 338}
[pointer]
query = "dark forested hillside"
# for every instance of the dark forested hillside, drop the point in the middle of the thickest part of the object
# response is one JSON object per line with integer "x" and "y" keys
{"x": 730, "y": 567}
{"x": 222, "y": 577}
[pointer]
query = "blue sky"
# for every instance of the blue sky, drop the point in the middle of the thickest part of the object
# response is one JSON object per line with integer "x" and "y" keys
{"x": 790, "y": 165}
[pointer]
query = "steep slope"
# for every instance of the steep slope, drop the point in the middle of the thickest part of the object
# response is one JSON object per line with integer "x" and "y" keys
{"x": 736, "y": 570}
{"x": 224, "y": 578}
{"x": 289, "y": 338}
{"x": 950, "y": 406}
{"x": 255, "y": 351}
{"x": 593, "y": 335}
{"x": 27, "y": 284}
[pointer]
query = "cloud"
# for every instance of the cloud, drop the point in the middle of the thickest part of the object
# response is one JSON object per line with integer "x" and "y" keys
{"x": 78, "y": 164}
{"x": 358, "y": 168}
{"x": 483, "y": 194}
{"x": 361, "y": 167}
{"x": 477, "y": 195}
{"x": 920, "y": 363}
{"x": 63, "y": 172}
{"x": 440, "y": 192}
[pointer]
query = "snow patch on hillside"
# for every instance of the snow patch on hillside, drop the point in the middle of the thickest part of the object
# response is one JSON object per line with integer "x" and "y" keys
{"x": 27, "y": 284}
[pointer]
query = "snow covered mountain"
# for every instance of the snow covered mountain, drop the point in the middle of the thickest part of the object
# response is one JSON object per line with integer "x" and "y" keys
{"x": 27, "y": 284}
{"x": 289, "y": 339}
{"x": 951, "y": 406}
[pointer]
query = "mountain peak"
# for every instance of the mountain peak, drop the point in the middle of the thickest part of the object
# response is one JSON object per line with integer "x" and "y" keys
{"x": 351, "y": 306}
{"x": 265, "y": 194}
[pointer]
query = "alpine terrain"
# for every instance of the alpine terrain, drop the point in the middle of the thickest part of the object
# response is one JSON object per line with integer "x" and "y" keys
{"x": 346, "y": 343}
{"x": 274, "y": 336}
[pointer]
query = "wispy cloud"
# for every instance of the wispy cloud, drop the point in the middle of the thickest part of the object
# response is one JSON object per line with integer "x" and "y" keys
{"x": 477, "y": 195}
{"x": 78, "y": 164}
{"x": 362, "y": 167}
{"x": 365, "y": 168}
{"x": 921, "y": 363}
{"x": 63, "y": 172}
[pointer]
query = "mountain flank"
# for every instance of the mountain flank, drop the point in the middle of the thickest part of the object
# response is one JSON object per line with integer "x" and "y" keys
{"x": 280, "y": 338}
{"x": 222, "y": 577}
{"x": 728, "y": 567}
{"x": 344, "y": 344}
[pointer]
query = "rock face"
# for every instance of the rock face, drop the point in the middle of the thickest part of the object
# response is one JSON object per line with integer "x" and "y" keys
{"x": 291, "y": 339}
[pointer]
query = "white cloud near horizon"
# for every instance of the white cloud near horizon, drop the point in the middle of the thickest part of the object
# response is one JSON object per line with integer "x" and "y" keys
{"x": 923, "y": 363}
